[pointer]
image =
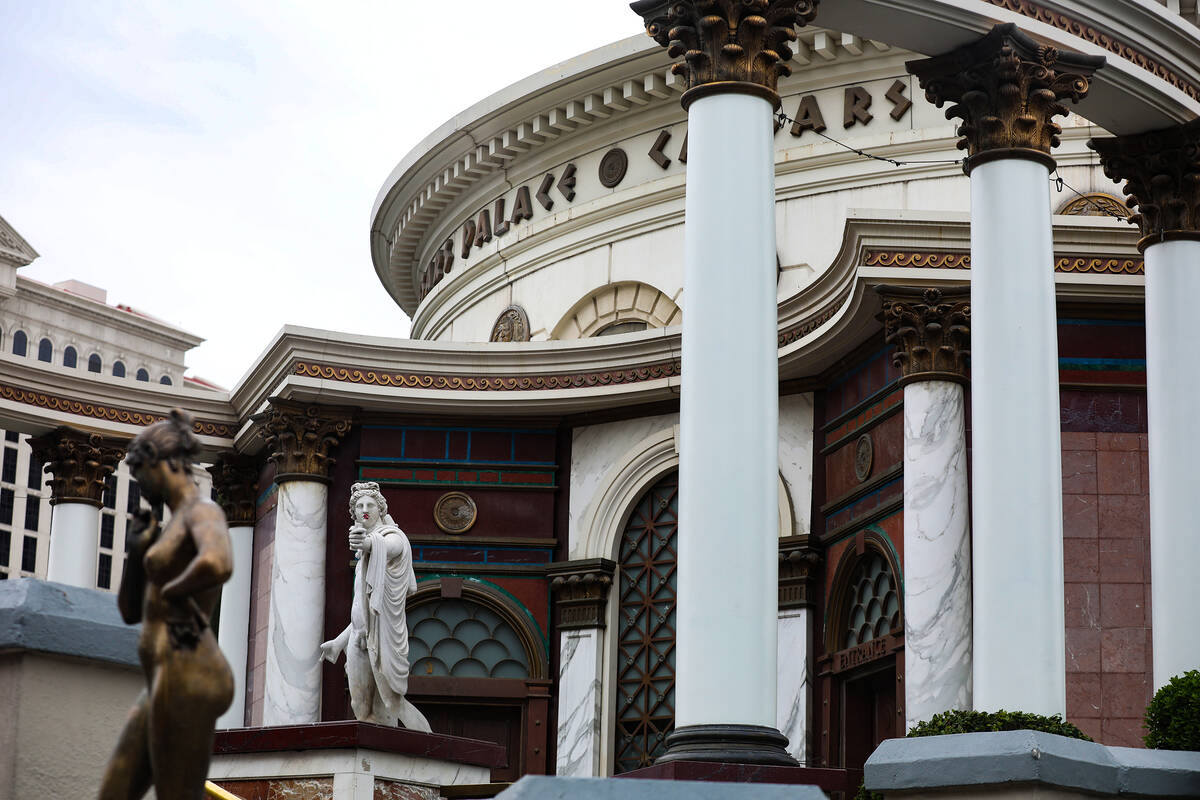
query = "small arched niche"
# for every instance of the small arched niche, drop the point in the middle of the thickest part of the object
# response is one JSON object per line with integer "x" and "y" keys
{"x": 618, "y": 308}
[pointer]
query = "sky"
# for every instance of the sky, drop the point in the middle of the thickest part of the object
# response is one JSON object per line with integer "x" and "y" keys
{"x": 213, "y": 163}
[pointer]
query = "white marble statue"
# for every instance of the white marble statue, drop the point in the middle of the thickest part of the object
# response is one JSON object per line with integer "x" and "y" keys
{"x": 376, "y": 640}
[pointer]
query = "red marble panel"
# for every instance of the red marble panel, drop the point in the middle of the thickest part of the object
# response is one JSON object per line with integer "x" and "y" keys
{"x": 1083, "y": 650}
{"x": 1122, "y": 605}
{"x": 1092, "y": 726}
{"x": 1080, "y": 560}
{"x": 1124, "y": 516}
{"x": 1078, "y": 440}
{"x": 1080, "y": 519}
{"x": 1124, "y": 695}
{"x": 1123, "y": 732}
{"x": 1121, "y": 560}
{"x": 393, "y": 790}
{"x": 1118, "y": 471}
{"x": 1083, "y": 696}
{"x": 1083, "y": 605}
{"x": 1079, "y": 471}
{"x": 1119, "y": 441}
{"x": 1123, "y": 650}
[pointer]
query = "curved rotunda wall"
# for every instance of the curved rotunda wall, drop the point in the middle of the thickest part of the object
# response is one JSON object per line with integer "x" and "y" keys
{"x": 586, "y": 184}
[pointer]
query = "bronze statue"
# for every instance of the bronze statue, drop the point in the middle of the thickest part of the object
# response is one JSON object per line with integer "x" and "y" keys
{"x": 171, "y": 584}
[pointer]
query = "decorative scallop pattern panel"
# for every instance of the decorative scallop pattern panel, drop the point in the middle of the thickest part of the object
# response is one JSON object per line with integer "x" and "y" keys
{"x": 873, "y": 606}
{"x": 462, "y": 639}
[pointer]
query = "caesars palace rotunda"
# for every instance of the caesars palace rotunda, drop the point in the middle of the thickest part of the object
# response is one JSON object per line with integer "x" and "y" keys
{"x": 977, "y": 326}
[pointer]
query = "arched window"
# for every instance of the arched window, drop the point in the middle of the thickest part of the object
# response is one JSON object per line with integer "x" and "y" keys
{"x": 872, "y": 607}
{"x": 622, "y": 327}
{"x": 94, "y": 364}
{"x": 165, "y": 380}
{"x": 118, "y": 369}
{"x": 20, "y": 343}
{"x": 142, "y": 375}
{"x": 70, "y": 357}
{"x": 646, "y": 627}
{"x": 455, "y": 637}
{"x": 618, "y": 308}
{"x": 45, "y": 351}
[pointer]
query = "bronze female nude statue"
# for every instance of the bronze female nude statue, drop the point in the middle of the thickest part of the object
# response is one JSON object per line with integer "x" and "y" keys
{"x": 171, "y": 584}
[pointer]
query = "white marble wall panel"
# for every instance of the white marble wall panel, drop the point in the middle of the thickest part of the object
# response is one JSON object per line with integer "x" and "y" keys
{"x": 579, "y": 703}
{"x": 595, "y": 450}
{"x": 937, "y": 552}
{"x": 796, "y": 456}
{"x": 296, "y": 624}
{"x": 794, "y": 680}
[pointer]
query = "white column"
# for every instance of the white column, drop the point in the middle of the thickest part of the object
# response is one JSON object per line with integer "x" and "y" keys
{"x": 233, "y": 632}
{"x": 794, "y": 671}
{"x": 579, "y": 703}
{"x": 1172, "y": 385}
{"x": 296, "y": 624}
{"x": 937, "y": 552}
{"x": 74, "y": 543}
{"x": 1017, "y": 469}
{"x": 728, "y": 505}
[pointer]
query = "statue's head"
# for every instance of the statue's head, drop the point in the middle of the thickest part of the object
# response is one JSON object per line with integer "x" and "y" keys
{"x": 169, "y": 442}
{"x": 362, "y": 497}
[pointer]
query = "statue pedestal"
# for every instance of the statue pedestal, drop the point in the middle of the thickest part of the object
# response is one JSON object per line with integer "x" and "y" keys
{"x": 348, "y": 761}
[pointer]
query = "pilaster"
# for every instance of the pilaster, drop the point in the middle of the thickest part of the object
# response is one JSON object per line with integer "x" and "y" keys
{"x": 1006, "y": 89}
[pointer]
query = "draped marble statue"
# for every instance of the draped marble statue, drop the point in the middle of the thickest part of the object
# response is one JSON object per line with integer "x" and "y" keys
{"x": 376, "y": 640}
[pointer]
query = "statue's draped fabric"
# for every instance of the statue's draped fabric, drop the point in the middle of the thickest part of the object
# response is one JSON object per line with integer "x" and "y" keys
{"x": 383, "y": 580}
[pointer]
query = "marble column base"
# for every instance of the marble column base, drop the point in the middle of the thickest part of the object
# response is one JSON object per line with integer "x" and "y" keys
{"x": 730, "y": 744}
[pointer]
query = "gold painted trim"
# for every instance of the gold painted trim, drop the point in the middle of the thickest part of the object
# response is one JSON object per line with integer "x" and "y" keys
{"x": 915, "y": 259}
{"x": 487, "y": 383}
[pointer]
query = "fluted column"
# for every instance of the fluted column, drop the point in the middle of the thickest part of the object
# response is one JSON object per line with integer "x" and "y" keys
{"x": 235, "y": 479}
{"x": 580, "y": 590}
{"x": 930, "y": 329}
{"x": 300, "y": 440}
{"x": 733, "y": 52}
{"x": 1162, "y": 174}
{"x": 1006, "y": 90}
{"x": 78, "y": 463}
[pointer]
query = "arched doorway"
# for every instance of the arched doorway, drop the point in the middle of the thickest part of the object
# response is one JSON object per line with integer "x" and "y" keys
{"x": 479, "y": 670}
{"x": 645, "y": 682}
{"x": 865, "y": 637}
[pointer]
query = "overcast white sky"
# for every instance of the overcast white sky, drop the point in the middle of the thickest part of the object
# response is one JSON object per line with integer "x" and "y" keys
{"x": 214, "y": 162}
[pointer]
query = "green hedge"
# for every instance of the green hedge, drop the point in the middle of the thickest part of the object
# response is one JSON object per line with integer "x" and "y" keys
{"x": 1173, "y": 716}
{"x": 986, "y": 721}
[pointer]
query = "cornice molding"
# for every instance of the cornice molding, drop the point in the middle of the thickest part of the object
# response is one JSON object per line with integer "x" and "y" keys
{"x": 14, "y": 250}
{"x": 928, "y": 259}
{"x": 1007, "y": 89}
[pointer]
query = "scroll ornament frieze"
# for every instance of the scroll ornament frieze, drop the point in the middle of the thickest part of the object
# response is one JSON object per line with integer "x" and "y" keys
{"x": 916, "y": 259}
{"x": 78, "y": 462}
{"x": 489, "y": 383}
{"x": 235, "y": 481}
{"x": 1161, "y": 170}
{"x": 1007, "y": 89}
{"x": 300, "y": 438}
{"x": 931, "y": 330}
{"x": 719, "y": 41}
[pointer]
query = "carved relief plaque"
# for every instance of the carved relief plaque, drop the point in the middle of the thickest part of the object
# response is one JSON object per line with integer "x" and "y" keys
{"x": 511, "y": 326}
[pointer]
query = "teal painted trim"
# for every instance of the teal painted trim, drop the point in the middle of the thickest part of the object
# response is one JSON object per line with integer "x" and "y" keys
{"x": 266, "y": 495}
{"x": 501, "y": 590}
{"x": 1103, "y": 364}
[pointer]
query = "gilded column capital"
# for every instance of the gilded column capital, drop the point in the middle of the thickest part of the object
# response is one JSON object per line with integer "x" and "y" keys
{"x": 931, "y": 329}
{"x": 580, "y": 592}
{"x": 799, "y": 566}
{"x": 727, "y": 45}
{"x": 78, "y": 462}
{"x": 235, "y": 481}
{"x": 300, "y": 438}
{"x": 1007, "y": 89}
{"x": 1161, "y": 170}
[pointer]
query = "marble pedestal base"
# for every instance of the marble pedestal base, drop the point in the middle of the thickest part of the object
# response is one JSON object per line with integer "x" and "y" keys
{"x": 348, "y": 761}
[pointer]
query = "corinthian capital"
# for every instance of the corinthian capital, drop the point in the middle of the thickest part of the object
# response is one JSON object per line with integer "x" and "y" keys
{"x": 1007, "y": 89}
{"x": 79, "y": 463}
{"x": 301, "y": 437}
{"x": 931, "y": 329}
{"x": 1161, "y": 170}
{"x": 235, "y": 479}
{"x": 727, "y": 45}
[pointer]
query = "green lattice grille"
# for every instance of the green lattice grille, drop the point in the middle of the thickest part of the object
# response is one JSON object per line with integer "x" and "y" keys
{"x": 873, "y": 608}
{"x": 646, "y": 655}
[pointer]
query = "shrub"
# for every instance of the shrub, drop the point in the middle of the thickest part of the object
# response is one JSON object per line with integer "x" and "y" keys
{"x": 865, "y": 794}
{"x": 986, "y": 721}
{"x": 1173, "y": 716}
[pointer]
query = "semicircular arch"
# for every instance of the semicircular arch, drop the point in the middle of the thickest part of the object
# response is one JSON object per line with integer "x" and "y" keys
{"x": 616, "y": 303}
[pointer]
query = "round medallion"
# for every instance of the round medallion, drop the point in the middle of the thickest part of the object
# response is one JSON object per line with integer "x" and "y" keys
{"x": 864, "y": 455}
{"x": 454, "y": 512}
{"x": 511, "y": 326}
{"x": 612, "y": 167}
